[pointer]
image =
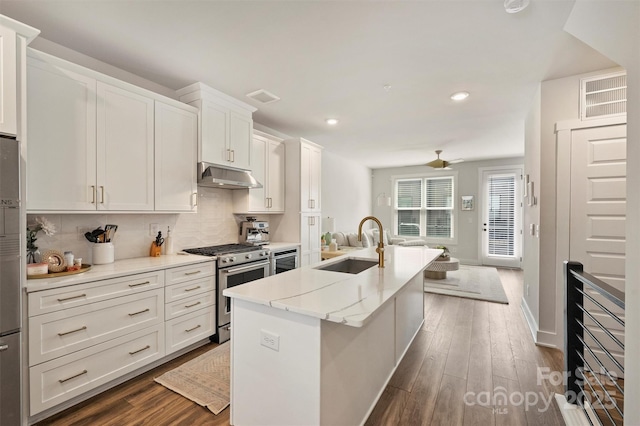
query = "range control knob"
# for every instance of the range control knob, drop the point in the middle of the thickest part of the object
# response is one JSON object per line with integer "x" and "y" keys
{"x": 232, "y": 259}
{"x": 248, "y": 256}
{"x": 225, "y": 260}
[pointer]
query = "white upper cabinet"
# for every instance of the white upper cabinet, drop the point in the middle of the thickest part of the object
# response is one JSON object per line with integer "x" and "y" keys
{"x": 176, "y": 132}
{"x": 226, "y": 126}
{"x": 14, "y": 37}
{"x": 310, "y": 176}
{"x": 8, "y": 94}
{"x": 125, "y": 174}
{"x": 61, "y": 151}
{"x": 268, "y": 167}
{"x": 96, "y": 144}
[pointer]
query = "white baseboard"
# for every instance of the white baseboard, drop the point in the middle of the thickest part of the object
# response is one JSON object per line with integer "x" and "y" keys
{"x": 471, "y": 262}
{"x": 531, "y": 321}
{"x": 571, "y": 413}
{"x": 548, "y": 339}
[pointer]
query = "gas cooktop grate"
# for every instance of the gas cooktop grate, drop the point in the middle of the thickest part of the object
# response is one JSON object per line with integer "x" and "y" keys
{"x": 222, "y": 249}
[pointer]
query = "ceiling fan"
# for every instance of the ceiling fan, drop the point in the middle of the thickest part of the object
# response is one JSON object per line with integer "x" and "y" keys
{"x": 439, "y": 163}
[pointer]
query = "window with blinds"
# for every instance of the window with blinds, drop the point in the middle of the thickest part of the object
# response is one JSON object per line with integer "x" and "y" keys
{"x": 409, "y": 204}
{"x": 502, "y": 215}
{"x": 424, "y": 207}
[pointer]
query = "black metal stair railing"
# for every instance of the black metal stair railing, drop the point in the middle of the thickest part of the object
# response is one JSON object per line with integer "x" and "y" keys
{"x": 589, "y": 382}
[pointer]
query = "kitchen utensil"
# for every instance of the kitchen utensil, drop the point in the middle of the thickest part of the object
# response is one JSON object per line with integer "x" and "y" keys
{"x": 159, "y": 239}
{"x": 89, "y": 236}
{"x": 110, "y": 231}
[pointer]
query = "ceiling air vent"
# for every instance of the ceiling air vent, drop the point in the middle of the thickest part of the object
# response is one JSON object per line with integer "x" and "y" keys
{"x": 603, "y": 96}
{"x": 263, "y": 96}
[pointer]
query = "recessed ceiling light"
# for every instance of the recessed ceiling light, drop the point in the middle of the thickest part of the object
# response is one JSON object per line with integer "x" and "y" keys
{"x": 331, "y": 121}
{"x": 460, "y": 96}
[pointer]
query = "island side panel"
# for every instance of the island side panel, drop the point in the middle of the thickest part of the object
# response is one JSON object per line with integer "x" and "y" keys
{"x": 357, "y": 363}
{"x": 409, "y": 314}
{"x": 270, "y": 387}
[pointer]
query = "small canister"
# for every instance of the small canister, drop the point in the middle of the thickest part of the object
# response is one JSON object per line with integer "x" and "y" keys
{"x": 77, "y": 262}
{"x": 68, "y": 258}
{"x": 102, "y": 253}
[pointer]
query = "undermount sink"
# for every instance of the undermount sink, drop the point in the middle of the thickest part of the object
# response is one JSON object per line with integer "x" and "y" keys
{"x": 349, "y": 266}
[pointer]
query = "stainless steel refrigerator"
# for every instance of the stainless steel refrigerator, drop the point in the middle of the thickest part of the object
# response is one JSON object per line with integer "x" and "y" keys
{"x": 10, "y": 261}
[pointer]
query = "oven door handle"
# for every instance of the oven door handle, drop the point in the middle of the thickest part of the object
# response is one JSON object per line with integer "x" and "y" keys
{"x": 245, "y": 268}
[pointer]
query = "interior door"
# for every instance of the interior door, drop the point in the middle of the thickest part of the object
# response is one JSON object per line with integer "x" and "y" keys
{"x": 502, "y": 218}
{"x": 598, "y": 216}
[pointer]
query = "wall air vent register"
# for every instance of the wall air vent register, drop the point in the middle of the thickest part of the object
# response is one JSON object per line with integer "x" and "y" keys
{"x": 603, "y": 96}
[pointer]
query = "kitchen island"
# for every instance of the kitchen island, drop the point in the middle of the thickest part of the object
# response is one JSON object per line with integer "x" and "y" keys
{"x": 314, "y": 346}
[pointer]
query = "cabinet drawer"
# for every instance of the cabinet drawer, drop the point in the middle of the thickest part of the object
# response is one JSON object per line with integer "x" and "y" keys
{"x": 63, "y": 332}
{"x": 189, "y": 304}
{"x": 187, "y": 273}
{"x": 189, "y": 328}
{"x": 56, "y": 381}
{"x": 189, "y": 288}
{"x": 42, "y": 302}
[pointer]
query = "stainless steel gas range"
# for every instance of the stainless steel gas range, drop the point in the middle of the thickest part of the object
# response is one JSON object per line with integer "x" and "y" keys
{"x": 236, "y": 264}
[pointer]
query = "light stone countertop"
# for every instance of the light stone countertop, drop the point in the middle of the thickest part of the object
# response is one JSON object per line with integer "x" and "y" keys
{"x": 116, "y": 269}
{"x": 280, "y": 246}
{"x": 350, "y": 299}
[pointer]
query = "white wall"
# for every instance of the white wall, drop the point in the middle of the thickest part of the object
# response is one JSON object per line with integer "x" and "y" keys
{"x": 346, "y": 191}
{"x": 467, "y": 248}
{"x": 559, "y": 101}
{"x": 531, "y": 243}
{"x": 613, "y": 28}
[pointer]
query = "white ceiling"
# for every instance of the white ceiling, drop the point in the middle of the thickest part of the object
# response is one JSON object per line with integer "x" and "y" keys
{"x": 333, "y": 59}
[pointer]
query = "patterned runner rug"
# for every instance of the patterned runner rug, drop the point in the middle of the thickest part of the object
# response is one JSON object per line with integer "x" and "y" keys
{"x": 205, "y": 380}
{"x": 472, "y": 282}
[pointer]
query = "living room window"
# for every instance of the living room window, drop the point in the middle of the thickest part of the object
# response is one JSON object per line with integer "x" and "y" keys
{"x": 424, "y": 207}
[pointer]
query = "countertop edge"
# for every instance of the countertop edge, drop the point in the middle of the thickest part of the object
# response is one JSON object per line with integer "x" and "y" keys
{"x": 119, "y": 268}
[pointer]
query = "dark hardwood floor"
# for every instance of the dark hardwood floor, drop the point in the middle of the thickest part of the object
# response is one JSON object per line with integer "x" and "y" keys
{"x": 468, "y": 350}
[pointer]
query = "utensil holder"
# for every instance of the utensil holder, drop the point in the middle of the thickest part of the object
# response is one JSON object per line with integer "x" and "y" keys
{"x": 103, "y": 253}
{"x": 155, "y": 250}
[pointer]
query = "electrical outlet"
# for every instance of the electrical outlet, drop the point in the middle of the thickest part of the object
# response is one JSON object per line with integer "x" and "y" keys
{"x": 153, "y": 229}
{"x": 80, "y": 230}
{"x": 270, "y": 340}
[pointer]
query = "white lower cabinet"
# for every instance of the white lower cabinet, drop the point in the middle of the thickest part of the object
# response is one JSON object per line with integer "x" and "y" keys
{"x": 86, "y": 335}
{"x": 189, "y": 328}
{"x": 56, "y": 381}
{"x": 63, "y": 332}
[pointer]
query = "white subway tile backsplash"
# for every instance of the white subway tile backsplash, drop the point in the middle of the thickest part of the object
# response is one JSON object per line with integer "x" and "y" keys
{"x": 214, "y": 223}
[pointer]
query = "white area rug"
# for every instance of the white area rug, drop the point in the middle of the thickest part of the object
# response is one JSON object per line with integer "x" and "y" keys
{"x": 472, "y": 282}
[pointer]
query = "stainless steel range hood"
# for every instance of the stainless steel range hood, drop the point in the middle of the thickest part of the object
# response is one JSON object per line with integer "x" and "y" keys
{"x": 216, "y": 176}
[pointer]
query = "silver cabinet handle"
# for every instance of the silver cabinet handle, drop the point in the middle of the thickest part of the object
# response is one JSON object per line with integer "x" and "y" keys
{"x": 73, "y": 377}
{"x": 233, "y": 155}
{"x": 64, "y": 299}
{"x": 194, "y": 199}
{"x": 93, "y": 194}
{"x": 229, "y": 155}
{"x": 139, "y": 312}
{"x": 73, "y": 331}
{"x": 139, "y": 350}
{"x": 139, "y": 284}
{"x": 193, "y": 273}
{"x": 192, "y": 305}
{"x": 101, "y": 194}
{"x": 4, "y": 348}
{"x": 192, "y": 288}
{"x": 194, "y": 328}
